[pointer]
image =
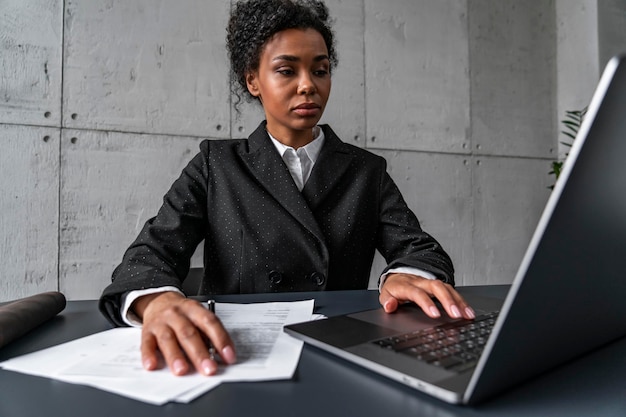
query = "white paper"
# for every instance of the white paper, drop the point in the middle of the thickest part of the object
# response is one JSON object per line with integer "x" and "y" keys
{"x": 111, "y": 360}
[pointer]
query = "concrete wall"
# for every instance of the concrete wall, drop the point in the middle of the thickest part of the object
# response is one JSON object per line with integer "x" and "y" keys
{"x": 103, "y": 102}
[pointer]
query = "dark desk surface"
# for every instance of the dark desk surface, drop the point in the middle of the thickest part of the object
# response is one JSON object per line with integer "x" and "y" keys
{"x": 323, "y": 385}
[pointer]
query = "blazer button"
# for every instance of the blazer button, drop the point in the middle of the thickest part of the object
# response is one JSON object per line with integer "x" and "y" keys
{"x": 275, "y": 277}
{"x": 318, "y": 278}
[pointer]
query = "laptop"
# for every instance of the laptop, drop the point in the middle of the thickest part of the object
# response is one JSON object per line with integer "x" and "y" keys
{"x": 566, "y": 299}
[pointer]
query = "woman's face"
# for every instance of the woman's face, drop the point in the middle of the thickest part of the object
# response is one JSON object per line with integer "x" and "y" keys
{"x": 292, "y": 83}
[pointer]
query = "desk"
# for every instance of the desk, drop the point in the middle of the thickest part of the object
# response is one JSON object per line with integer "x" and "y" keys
{"x": 323, "y": 385}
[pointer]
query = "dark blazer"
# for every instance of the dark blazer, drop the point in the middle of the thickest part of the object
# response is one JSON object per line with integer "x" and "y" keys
{"x": 263, "y": 235}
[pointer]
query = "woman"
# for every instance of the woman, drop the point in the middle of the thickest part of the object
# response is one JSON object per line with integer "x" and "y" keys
{"x": 291, "y": 208}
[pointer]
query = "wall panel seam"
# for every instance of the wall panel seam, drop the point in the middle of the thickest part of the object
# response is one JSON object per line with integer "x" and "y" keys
{"x": 59, "y": 191}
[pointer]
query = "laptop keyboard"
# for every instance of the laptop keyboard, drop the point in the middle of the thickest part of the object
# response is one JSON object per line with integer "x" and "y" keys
{"x": 454, "y": 346}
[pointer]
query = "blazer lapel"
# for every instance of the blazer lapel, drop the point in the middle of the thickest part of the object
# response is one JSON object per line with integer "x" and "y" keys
{"x": 332, "y": 163}
{"x": 268, "y": 168}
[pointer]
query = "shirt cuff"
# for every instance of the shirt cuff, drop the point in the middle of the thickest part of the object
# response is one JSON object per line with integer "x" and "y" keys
{"x": 129, "y": 298}
{"x": 404, "y": 270}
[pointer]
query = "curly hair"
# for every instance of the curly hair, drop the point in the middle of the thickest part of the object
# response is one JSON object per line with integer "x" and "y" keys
{"x": 253, "y": 22}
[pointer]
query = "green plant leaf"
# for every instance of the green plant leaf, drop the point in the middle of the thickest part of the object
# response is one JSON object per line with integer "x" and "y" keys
{"x": 571, "y": 124}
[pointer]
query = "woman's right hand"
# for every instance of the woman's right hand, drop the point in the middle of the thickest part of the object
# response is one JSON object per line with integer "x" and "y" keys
{"x": 179, "y": 328}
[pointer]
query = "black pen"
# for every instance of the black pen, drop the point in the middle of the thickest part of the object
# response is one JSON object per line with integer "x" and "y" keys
{"x": 211, "y": 307}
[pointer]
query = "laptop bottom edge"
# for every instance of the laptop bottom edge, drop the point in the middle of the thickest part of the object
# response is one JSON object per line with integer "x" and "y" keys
{"x": 358, "y": 356}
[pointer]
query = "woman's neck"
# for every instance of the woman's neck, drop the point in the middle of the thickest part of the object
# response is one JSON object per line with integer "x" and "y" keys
{"x": 295, "y": 139}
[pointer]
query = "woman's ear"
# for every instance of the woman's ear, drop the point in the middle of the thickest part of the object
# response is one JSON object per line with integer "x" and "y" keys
{"x": 251, "y": 82}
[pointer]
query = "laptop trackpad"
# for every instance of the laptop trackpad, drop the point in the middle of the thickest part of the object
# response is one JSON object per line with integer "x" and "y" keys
{"x": 341, "y": 331}
{"x": 407, "y": 318}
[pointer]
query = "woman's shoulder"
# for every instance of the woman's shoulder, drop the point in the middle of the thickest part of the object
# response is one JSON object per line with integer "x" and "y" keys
{"x": 222, "y": 146}
{"x": 361, "y": 153}
{"x": 237, "y": 145}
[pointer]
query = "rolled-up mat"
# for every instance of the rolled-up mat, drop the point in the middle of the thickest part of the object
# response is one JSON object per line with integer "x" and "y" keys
{"x": 21, "y": 316}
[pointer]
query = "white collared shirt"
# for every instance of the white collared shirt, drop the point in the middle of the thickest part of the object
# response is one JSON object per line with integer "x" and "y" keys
{"x": 300, "y": 162}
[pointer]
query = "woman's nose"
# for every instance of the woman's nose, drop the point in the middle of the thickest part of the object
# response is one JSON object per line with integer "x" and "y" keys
{"x": 306, "y": 85}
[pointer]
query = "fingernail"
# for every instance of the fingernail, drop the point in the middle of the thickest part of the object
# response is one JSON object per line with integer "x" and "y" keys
{"x": 179, "y": 366}
{"x": 434, "y": 312}
{"x": 469, "y": 312}
{"x": 456, "y": 313}
{"x": 208, "y": 367}
{"x": 148, "y": 364}
{"x": 228, "y": 354}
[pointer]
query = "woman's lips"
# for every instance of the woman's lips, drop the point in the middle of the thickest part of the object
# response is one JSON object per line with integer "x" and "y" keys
{"x": 307, "y": 109}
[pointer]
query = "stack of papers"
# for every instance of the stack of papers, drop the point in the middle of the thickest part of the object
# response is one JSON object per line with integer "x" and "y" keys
{"x": 111, "y": 360}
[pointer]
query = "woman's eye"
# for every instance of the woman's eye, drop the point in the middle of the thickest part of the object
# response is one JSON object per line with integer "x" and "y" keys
{"x": 285, "y": 71}
{"x": 321, "y": 73}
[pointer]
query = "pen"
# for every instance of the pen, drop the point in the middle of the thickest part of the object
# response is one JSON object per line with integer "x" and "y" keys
{"x": 211, "y": 307}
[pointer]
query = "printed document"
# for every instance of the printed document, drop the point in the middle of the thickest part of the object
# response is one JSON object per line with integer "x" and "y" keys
{"x": 111, "y": 360}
